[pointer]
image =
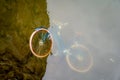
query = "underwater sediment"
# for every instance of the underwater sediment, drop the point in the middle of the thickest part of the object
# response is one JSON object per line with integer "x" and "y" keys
{"x": 18, "y": 19}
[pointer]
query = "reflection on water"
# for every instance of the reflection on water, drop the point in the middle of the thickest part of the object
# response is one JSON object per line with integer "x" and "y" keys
{"x": 78, "y": 56}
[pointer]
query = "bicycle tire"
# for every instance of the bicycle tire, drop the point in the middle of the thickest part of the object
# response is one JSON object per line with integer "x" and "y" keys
{"x": 36, "y": 43}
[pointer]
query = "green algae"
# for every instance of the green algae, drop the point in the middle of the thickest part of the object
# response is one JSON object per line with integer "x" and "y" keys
{"x": 18, "y": 19}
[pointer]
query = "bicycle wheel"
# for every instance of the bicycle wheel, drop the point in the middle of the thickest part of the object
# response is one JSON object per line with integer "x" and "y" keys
{"x": 40, "y": 42}
{"x": 80, "y": 59}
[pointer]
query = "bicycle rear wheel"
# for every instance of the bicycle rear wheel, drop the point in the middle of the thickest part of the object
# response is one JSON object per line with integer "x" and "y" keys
{"x": 40, "y": 43}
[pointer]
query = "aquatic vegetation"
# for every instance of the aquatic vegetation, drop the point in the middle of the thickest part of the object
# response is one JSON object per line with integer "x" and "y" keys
{"x": 18, "y": 19}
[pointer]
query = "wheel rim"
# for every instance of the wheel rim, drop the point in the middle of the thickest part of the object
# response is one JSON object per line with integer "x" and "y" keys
{"x": 81, "y": 59}
{"x": 39, "y": 47}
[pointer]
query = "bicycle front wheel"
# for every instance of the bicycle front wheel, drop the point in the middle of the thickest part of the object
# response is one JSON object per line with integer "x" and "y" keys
{"x": 80, "y": 59}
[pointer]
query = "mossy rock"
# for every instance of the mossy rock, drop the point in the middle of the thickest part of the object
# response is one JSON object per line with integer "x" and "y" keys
{"x": 18, "y": 19}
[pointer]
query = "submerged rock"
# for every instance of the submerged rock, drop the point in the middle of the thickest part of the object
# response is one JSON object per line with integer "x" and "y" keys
{"x": 18, "y": 19}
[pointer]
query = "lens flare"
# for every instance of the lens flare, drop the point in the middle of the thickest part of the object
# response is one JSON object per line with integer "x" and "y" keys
{"x": 40, "y": 42}
{"x": 80, "y": 59}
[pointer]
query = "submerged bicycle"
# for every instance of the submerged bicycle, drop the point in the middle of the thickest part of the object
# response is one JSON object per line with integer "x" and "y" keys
{"x": 40, "y": 42}
{"x": 43, "y": 42}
